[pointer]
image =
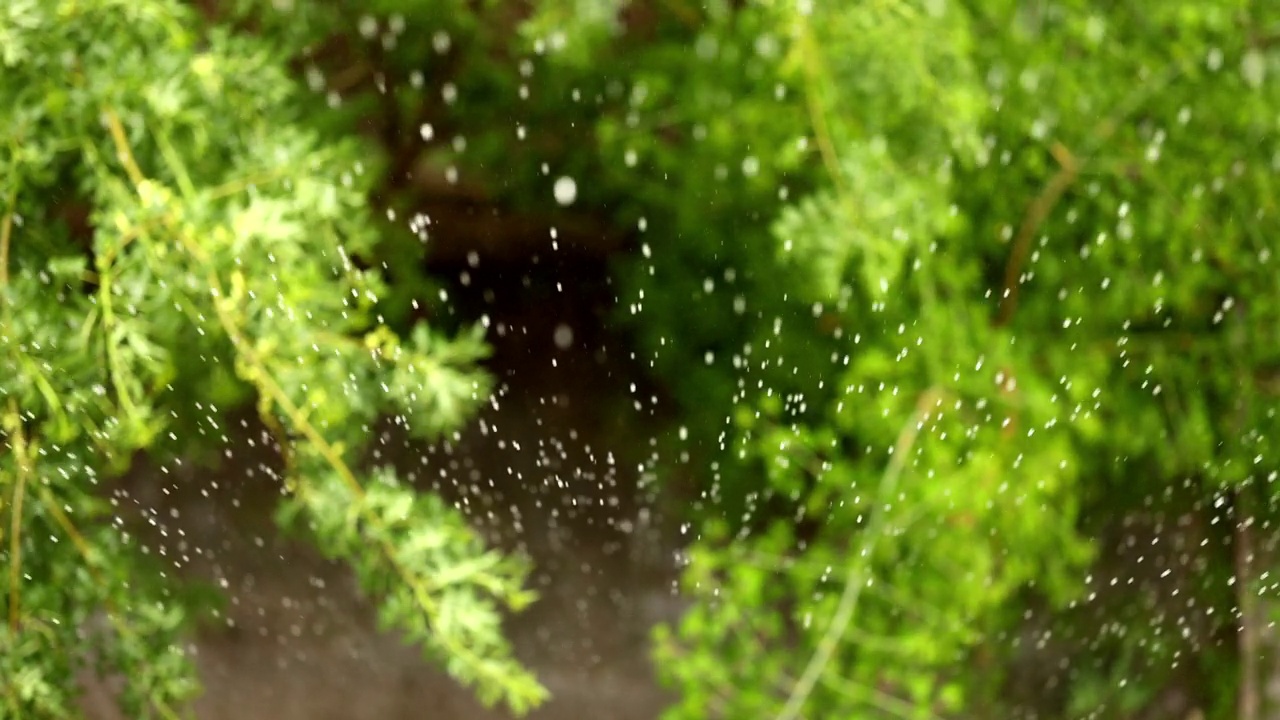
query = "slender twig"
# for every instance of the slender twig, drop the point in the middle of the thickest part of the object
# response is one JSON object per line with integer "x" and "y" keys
{"x": 1070, "y": 167}
{"x": 33, "y": 371}
{"x": 115, "y": 366}
{"x": 1249, "y": 698}
{"x": 684, "y": 13}
{"x": 85, "y": 549}
{"x": 22, "y": 467}
{"x": 6, "y": 234}
{"x": 60, "y": 517}
{"x": 350, "y": 77}
{"x": 1037, "y": 212}
{"x": 123, "y": 154}
{"x": 231, "y": 187}
{"x": 855, "y": 580}
{"x": 6, "y": 227}
{"x": 170, "y": 155}
{"x": 879, "y": 699}
{"x": 812, "y": 61}
{"x": 20, "y": 448}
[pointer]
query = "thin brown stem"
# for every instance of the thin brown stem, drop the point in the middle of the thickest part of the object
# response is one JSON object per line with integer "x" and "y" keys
{"x": 683, "y": 12}
{"x": 122, "y": 144}
{"x": 6, "y": 235}
{"x": 1249, "y": 699}
{"x": 1070, "y": 167}
{"x": 18, "y": 445}
{"x": 1037, "y": 212}
{"x": 817, "y": 116}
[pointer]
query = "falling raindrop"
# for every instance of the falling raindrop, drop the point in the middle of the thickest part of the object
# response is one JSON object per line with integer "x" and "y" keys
{"x": 563, "y": 336}
{"x": 565, "y": 190}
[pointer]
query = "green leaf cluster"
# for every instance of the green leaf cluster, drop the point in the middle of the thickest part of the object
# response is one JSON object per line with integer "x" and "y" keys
{"x": 1032, "y": 239}
{"x": 175, "y": 239}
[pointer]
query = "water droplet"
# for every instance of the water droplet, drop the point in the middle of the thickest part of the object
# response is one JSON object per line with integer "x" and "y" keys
{"x": 566, "y": 190}
{"x": 563, "y": 336}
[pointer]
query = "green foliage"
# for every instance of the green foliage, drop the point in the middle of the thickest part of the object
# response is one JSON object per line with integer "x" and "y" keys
{"x": 176, "y": 238}
{"x": 1051, "y": 306}
{"x": 913, "y": 219}
{"x": 971, "y": 282}
{"x": 945, "y": 291}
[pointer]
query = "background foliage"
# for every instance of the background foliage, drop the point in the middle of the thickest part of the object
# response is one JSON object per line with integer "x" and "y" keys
{"x": 953, "y": 298}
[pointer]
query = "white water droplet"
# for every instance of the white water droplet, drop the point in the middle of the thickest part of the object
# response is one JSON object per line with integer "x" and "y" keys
{"x": 563, "y": 336}
{"x": 566, "y": 190}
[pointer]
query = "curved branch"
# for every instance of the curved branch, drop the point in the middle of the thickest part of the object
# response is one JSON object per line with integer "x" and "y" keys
{"x": 854, "y": 580}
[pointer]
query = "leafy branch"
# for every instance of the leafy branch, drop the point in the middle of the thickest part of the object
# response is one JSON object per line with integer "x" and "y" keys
{"x": 494, "y": 675}
{"x": 21, "y": 451}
